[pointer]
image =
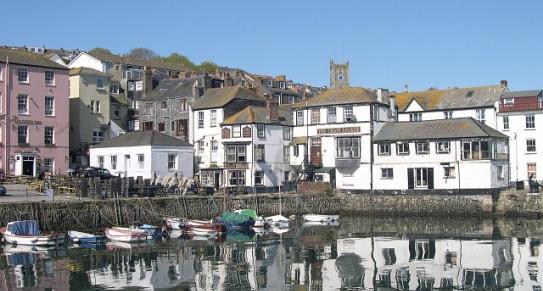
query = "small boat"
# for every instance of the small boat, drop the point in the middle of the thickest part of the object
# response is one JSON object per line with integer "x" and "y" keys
{"x": 278, "y": 221}
{"x": 196, "y": 231}
{"x": 320, "y": 223}
{"x": 84, "y": 238}
{"x": 175, "y": 233}
{"x": 235, "y": 220}
{"x": 174, "y": 223}
{"x": 208, "y": 224}
{"x": 27, "y": 232}
{"x": 320, "y": 218}
{"x": 125, "y": 234}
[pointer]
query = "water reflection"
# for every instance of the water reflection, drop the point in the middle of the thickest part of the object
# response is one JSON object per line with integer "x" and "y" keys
{"x": 360, "y": 253}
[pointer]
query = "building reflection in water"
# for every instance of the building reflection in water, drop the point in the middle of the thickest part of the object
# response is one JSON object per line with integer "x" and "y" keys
{"x": 303, "y": 259}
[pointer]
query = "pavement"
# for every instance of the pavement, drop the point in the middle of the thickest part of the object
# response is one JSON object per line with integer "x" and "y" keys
{"x": 20, "y": 193}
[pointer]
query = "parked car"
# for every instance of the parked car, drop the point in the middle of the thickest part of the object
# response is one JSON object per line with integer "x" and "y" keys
{"x": 2, "y": 190}
{"x": 94, "y": 172}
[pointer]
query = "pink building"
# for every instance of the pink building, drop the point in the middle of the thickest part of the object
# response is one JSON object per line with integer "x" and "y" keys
{"x": 34, "y": 119}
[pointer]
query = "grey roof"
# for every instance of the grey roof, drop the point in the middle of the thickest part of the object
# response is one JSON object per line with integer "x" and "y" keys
{"x": 142, "y": 138}
{"x": 257, "y": 114}
{"x": 172, "y": 88}
{"x": 87, "y": 71}
{"x": 526, "y": 93}
{"x": 27, "y": 58}
{"x": 339, "y": 96}
{"x": 219, "y": 97}
{"x": 436, "y": 129}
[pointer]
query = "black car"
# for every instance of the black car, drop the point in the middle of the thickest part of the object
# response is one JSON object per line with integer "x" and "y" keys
{"x": 93, "y": 172}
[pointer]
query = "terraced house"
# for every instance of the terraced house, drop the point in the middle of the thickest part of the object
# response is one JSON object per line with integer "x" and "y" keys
{"x": 34, "y": 114}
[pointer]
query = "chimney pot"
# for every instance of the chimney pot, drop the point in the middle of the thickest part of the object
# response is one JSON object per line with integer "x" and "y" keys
{"x": 503, "y": 83}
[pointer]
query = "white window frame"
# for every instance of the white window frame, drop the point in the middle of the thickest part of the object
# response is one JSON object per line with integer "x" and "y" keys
{"x": 113, "y": 161}
{"x": 260, "y": 153}
{"x": 49, "y": 108}
{"x": 49, "y": 81}
{"x": 286, "y": 154}
{"x": 383, "y": 149}
{"x": 505, "y": 120}
{"x": 49, "y": 135}
{"x": 449, "y": 172}
{"x": 508, "y": 101}
{"x": 443, "y": 147}
{"x": 100, "y": 160}
{"x": 20, "y": 98}
{"x": 172, "y": 161}
{"x": 422, "y": 147}
{"x": 259, "y": 175}
{"x": 331, "y": 114}
{"x": 51, "y": 167}
{"x": 201, "y": 117}
{"x": 348, "y": 113}
{"x": 97, "y": 135}
{"x": 95, "y": 106}
{"x": 23, "y": 71}
{"x": 213, "y": 118}
{"x": 533, "y": 171}
{"x": 530, "y": 121}
{"x": 299, "y": 117}
{"x": 236, "y": 131}
{"x": 401, "y": 149}
{"x": 501, "y": 172}
{"x": 103, "y": 84}
{"x": 315, "y": 116}
{"x": 415, "y": 117}
{"x": 238, "y": 176}
{"x": 141, "y": 161}
{"x": 387, "y": 173}
{"x": 260, "y": 130}
{"x": 480, "y": 115}
{"x": 421, "y": 178}
{"x": 114, "y": 88}
{"x": 531, "y": 146}
{"x": 448, "y": 114}
{"x": 22, "y": 129}
{"x": 214, "y": 149}
{"x": 348, "y": 148}
{"x": 286, "y": 132}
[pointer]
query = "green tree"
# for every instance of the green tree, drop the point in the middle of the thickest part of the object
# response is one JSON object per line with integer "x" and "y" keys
{"x": 143, "y": 53}
{"x": 176, "y": 58}
{"x": 100, "y": 50}
{"x": 207, "y": 66}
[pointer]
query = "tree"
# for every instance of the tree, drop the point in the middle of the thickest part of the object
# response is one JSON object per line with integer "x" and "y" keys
{"x": 175, "y": 58}
{"x": 100, "y": 50}
{"x": 143, "y": 53}
{"x": 207, "y": 66}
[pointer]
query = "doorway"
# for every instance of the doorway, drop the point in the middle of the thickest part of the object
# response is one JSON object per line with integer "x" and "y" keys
{"x": 316, "y": 158}
{"x": 28, "y": 166}
{"x": 217, "y": 180}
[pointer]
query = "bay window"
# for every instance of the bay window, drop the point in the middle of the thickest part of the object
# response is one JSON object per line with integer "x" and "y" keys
{"x": 348, "y": 147}
{"x": 476, "y": 150}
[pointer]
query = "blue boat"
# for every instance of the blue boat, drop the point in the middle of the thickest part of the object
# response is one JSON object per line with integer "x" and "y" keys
{"x": 85, "y": 238}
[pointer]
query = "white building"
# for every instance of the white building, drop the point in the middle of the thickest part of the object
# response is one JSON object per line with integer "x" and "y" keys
{"x": 520, "y": 117}
{"x": 338, "y": 126}
{"x": 144, "y": 153}
{"x": 459, "y": 155}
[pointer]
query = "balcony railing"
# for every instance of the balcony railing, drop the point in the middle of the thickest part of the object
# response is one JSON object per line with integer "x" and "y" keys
{"x": 532, "y": 106}
{"x": 134, "y": 75}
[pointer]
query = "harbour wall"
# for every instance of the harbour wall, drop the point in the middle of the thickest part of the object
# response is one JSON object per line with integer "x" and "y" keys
{"x": 89, "y": 214}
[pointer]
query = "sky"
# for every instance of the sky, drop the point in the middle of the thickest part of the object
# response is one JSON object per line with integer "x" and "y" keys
{"x": 388, "y": 43}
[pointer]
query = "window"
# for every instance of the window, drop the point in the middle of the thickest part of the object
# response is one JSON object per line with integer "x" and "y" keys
{"x": 97, "y": 136}
{"x": 95, "y": 106}
{"x": 390, "y": 256}
{"x": 449, "y": 172}
{"x": 49, "y": 78}
{"x": 22, "y": 134}
{"x": 348, "y": 113}
{"x": 415, "y": 117}
{"x": 296, "y": 150}
{"x": 49, "y": 165}
{"x": 286, "y": 133}
{"x": 161, "y": 126}
{"x": 501, "y": 172}
{"x": 448, "y": 114}
{"x": 443, "y": 147}
{"x": 530, "y": 121}
{"x": 235, "y": 153}
{"x": 22, "y": 75}
{"x": 299, "y": 117}
{"x": 383, "y": 149}
{"x": 260, "y": 130}
{"x": 49, "y": 106}
{"x": 213, "y": 118}
{"x": 315, "y": 116}
{"x": 331, "y": 117}
{"x": 172, "y": 161}
{"x": 117, "y": 112}
{"x": 141, "y": 161}
{"x": 201, "y": 146}
{"x": 505, "y": 122}
{"x": 508, "y": 101}
{"x": 402, "y": 148}
{"x": 214, "y": 149}
{"x": 200, "y": 119}
{"x": 22, "y": 104}
{"x": 422, "y": 147}
{"x": 236, "y": 131}
{"x": 49, "y": 135}
{"x": 259, "y": 178}
{"x": 530, "y": 146}
{"x": 348, "y": 147}
{"x": 286, "y": 154}
{"x": 421, "y": 177}
{"x": 282, "y": 85}
{"x": 100, "y": 161}
{"x": 531, "y": 170}
{"x": 260, "y": 153}
{"x": 99, "y": 83}
{"x": 114, "y": 88}
{"x": 480, "y": 115}
{"x": 113, "y": 162}
{"x": 387, "y": 173}
{"x": 476, "y": 150}
{"x": 236, "y": 178}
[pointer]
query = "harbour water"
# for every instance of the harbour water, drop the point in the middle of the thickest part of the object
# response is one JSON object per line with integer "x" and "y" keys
{"x": 360, "y": 253}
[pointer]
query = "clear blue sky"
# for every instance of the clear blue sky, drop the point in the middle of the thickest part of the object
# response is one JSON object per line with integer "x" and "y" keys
{"x": 388, "y": 43}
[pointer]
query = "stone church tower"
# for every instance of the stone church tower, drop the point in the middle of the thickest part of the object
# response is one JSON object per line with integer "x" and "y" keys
{"x": 339, "y": 75}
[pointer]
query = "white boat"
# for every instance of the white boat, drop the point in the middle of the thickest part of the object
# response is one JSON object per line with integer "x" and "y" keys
{"x": 26, "y": 232}
{"x": 203, "y": 231}
{"x": 320, "y": 223}
{"x": 174, "y": 223}
{"x": 125, "y": 234}
{"x": 83, "y": 237}
{"x": 260, "y": 223}
{"x": 176, "y": 233}
{"x": 320, "y": 218}
{"x": 278, "y": 221}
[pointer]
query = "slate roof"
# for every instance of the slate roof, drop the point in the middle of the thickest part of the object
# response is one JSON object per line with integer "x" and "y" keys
{"x": 27, "y": 58}
{"x": 436, "y": 129}
{"x": 171, "y": 88}
{"x": 257, "y": 114}
{"x": 218, "y": 97}
{"x": 526, "y": 93}
{"x": 338, "y": 96}
{"x": 142, "y": 138}
{"x": 469, "y": 97}
{"x": 139, "y": 62}
{"x": 87, "y": 71}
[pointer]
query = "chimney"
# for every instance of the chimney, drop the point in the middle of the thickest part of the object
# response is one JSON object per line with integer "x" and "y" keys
{"x": 503, "y": 83}
{"x": 382, "y": 94}
{"x": 392, "y": 103}
{"x": 406, "y": 88}
{"x": 272, "y": 108}
{"x": 195, "y": 90}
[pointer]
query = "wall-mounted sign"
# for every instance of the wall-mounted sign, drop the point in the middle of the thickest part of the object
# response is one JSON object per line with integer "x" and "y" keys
{"x": 139, "y": 86}
{"x": 16, "y": 120}
{"x": 338, "y": 130}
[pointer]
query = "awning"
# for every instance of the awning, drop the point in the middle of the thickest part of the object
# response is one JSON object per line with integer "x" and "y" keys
{"x": 299, "y": 140}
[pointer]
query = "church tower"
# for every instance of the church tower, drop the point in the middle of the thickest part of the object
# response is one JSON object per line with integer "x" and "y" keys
{"x": 339, "y": 75}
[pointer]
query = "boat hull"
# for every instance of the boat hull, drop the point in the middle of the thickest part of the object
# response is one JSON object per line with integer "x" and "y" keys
{"x": 38, "y": 240}
{"x": 125, "y": 234}
{"x": 320, "y": 218}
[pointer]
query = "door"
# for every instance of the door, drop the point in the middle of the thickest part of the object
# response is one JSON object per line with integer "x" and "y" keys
{"x": 316, "y": 158}
{"x": 126, "y": 164}
{"x": 28, "y": 166}
{"x": 217, "y": 180}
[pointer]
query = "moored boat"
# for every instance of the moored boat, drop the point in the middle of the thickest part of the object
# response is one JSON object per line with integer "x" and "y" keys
{"x": 203, "y": 231}
{"x": 208, "y": 224}
{"x": 234, "y": 220}
{"x": 27, "y": 232}
{"x": 84, "y": 238}
{"x": 320, "y": 218}
{"x": 174, "y": 223}
{"x": 125, "y": 234}
{"x": 277, "y": 221}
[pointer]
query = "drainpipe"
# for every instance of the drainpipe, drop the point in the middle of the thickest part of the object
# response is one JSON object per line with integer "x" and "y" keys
{"x": 372, "y": 108}
{"x": 6, "y": 118}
